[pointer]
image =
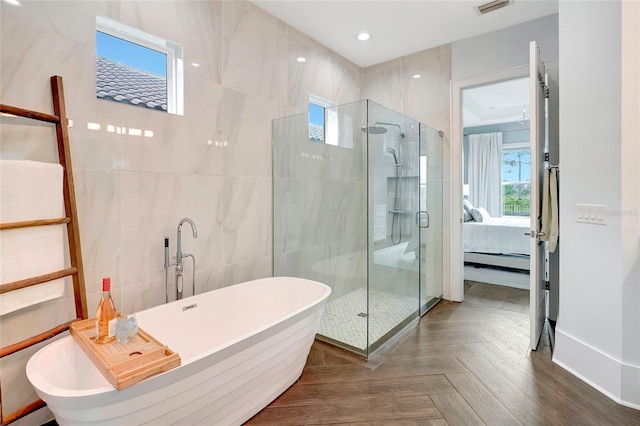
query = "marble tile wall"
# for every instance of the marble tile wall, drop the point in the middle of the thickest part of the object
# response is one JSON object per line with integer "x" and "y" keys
{"x": 425, "y": 99}
{"x": 213, "y": 164}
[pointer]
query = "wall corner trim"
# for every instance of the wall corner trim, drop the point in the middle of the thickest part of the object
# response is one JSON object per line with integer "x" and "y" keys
{"x": 598, "y": 369}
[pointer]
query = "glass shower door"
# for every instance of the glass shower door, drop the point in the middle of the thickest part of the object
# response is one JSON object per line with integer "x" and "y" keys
{"x": 393, "y": 174}
{"x": 429, "y": 218}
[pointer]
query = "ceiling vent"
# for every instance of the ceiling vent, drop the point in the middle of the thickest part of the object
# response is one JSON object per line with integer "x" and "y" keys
{"x": 491, "y": 6}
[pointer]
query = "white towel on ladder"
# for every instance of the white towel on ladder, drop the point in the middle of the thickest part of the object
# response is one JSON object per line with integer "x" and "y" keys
{"x": 30, "y": 190}
{"x": 550, "y": 208}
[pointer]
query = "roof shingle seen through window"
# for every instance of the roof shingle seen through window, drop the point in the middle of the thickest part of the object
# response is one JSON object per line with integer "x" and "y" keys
{"x": 120, "y": 83}
{"x": 316, "y": 132}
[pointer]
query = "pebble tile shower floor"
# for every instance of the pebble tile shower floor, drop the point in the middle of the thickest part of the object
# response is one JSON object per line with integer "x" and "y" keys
{"x": 343, "y": 318}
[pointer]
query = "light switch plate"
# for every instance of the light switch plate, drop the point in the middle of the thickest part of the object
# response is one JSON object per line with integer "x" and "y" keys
{"x": 591, "y": 213}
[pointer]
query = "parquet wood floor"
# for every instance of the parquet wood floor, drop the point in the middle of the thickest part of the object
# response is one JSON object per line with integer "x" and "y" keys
{"x": 461, "y": 364}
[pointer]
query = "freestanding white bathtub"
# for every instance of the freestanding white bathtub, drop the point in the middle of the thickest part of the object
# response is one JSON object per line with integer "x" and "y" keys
{"x": 241, "y": 346}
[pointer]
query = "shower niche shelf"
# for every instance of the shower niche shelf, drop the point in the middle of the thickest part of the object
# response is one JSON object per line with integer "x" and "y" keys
{"x": 403, "y": 177}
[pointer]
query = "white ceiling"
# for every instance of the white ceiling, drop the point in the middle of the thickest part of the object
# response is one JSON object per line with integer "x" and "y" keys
{"x": 496, "y": 103}
{"x": 397, "y": 28}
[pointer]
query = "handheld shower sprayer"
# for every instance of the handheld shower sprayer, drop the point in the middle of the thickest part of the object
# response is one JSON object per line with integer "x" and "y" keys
{"x": 393, "y": 152}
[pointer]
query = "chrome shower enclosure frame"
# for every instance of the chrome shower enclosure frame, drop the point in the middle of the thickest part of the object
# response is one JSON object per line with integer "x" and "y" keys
{"x": 360, "y": 209}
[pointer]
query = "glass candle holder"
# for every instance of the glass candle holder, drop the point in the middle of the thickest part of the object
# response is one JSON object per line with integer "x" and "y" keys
{"x": 126, "y": 328}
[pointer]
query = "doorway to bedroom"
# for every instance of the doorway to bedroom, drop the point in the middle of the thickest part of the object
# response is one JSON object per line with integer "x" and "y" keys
{"x": 496, "y": 190}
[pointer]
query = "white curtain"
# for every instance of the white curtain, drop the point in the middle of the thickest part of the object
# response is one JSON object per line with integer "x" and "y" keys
{"x": 485, "y": 172}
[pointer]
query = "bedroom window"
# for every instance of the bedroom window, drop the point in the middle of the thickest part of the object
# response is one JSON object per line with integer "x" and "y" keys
{"x": 516, "y": 180}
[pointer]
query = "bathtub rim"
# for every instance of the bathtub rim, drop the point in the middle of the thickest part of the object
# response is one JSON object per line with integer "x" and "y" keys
{"x": 44, "y": 388}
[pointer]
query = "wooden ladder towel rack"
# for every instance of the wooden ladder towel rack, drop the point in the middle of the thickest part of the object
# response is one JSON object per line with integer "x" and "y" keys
{"x": 71, "y": 220}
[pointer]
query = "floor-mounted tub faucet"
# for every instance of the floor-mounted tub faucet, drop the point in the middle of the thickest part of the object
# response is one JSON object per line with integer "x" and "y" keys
{"x": 179, "y": 259}
{"x": 180, "y": 256}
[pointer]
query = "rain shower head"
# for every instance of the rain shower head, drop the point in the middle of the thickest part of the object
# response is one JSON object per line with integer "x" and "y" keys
{"x": 374, "y": 130}
{"x": 377, "y": 128}
{"x": 393, "y": 152}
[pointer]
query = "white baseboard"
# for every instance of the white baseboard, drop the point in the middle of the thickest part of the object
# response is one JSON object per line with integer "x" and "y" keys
{"x": 610, "y": 376}
{"x": 630, "y": 386}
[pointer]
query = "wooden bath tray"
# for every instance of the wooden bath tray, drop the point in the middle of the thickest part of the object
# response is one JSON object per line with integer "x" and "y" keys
{"x": 124, "y": 365}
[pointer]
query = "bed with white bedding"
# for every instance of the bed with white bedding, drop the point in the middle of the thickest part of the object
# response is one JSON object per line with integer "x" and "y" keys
{"x": 498, "y": 241}
{"x": 497, "y": 235}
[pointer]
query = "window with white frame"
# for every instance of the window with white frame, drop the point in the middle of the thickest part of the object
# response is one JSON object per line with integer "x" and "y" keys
{"x": 137, "y": 68}
{"x": 516, "y": 179}
{"x": 323, "y": 121}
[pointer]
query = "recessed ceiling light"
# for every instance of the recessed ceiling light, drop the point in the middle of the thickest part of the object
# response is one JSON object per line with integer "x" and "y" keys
{"x": 416, "y": 76}
{"x": 363, "y": 36}
{"x": 301, "y": 59}
{"x": 12, "y": 2}
{"x": 195, "y": 64}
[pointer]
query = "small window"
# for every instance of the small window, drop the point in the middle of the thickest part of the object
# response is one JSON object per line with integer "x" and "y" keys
{"x": 316, "y": 123}
{"x": 323, "y": 121}
{"x": 137, "y": 68}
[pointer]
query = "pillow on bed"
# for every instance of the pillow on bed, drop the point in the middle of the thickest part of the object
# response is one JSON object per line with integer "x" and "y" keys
{"x": 467, "y": 216}
{"x": 468, "y": 207}
{"x": 480, "y": 214}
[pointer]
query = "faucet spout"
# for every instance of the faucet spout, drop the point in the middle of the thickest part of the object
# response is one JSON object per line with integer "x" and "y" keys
{"x": 194, "y": 231}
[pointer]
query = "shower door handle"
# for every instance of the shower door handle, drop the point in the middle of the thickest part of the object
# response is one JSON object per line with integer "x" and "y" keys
{"x": 419, "y": 220}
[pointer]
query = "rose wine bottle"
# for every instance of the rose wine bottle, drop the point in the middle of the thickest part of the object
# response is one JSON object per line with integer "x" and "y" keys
{"x": 106, "y": 315}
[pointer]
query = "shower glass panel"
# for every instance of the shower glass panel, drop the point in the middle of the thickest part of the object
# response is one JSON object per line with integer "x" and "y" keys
{"x": 393, "y": 180}
{"x": 345, "y": 202}
{"x": 320, "y": 214}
